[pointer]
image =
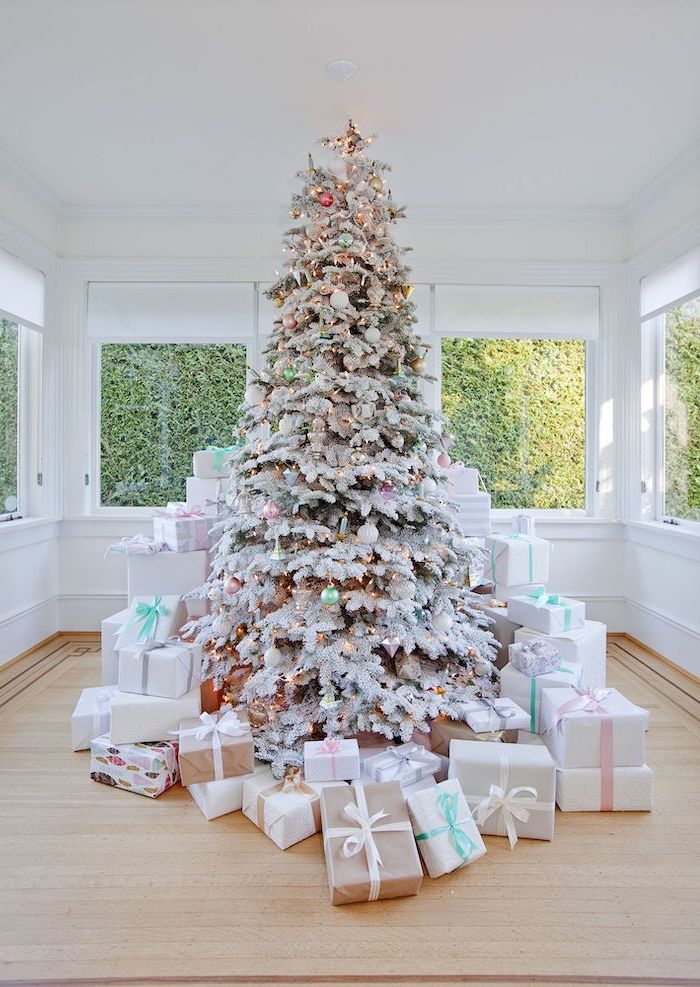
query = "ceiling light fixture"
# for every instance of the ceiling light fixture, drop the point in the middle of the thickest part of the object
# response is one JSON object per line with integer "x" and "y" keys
{"x": 342, "y": 69}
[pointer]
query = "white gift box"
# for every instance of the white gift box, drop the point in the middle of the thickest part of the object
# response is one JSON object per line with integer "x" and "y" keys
{"x": 510, "y": 788}
{"x": 445, "y": 832}
{"x": 110, "y": 652}
{"x": 182, "y": 528}
{"x": 548, "y": 613}
{"x": 157, "y": 668}
{"x": 155, "y": 617}
{"x": 592, "y": 728}
{"x": 209, "y": 494}
{"x": 462, "y": 480}
{"x": 218, "y": 798}
{"x": 522, "y": 524}
{"x": 417, "y": 786}
{"x": 526, "y": 691}
{"x": 91, "y": 715}
{"x": 405, "y": 763}
{"x": 486, "y": 716}
{"x": 332, "y": 759}
{"x": 138, "y": 719}
{"x": 475, "y": 515}
{"x": 502, "y": 628}
{"x": 212, "y": 463}
{"x": 629, "y": 789}
{"x": 287, "y": 811}
{"x": 586, "y": 646}
{"x": 516, "y": 559}
{"x": 504, "y": 594}
{"x": 172, "y": 573}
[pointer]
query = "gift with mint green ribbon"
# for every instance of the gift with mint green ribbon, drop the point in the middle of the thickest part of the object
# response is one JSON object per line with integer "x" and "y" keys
{"x": 533, "y": 690}
{"x": 448, "y": 803}
{"x": 220, "y": 454}
{"x": 542, "y": 598}
{"x": 510, "y": 538}
{"x": 145, "y": 614}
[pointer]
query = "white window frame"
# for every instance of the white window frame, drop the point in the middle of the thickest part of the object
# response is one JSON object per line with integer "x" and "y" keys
{"x": 29, "y": 418}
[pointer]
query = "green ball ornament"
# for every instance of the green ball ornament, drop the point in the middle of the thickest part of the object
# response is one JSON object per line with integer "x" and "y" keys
{"x": 329, "y": 596}
{"x": 346, "y": 240}
{"x": 421, "y": 615}
{"x": 289, "y": 374}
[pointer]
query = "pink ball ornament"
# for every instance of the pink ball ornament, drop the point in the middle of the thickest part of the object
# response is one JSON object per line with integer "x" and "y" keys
{"x": 388, "y": 490}
{"x": 232, "y": 584}
{"x": 325, "y": 199}
{"x": 444, "y": 460}
{"x": 271, "y": 510}
{"x": 289, "y": 322}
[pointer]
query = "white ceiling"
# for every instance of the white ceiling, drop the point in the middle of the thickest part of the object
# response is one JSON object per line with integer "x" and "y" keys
{"x": 512, "y": 104}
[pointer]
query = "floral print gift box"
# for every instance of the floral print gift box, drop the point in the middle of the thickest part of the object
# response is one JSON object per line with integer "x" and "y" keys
{"x": 146, "y": 769}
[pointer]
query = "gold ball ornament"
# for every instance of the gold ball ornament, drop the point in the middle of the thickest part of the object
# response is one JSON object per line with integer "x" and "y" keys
{"x": 376, "y": 183}
{"x": 407, "y": 290}
{"x": 278, "y": 301}
{"x": 241, "y": 631}
{"x": 419, "y": 365}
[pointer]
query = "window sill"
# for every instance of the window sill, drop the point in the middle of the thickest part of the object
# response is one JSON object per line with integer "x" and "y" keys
{"x": 26, "y": 531}
{"x": 680, "y": 541}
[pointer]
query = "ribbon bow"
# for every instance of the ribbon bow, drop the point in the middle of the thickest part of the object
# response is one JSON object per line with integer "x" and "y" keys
{"x": 541, "y": 597}
{"x": 220, "y": 453}
{"x": 512, "y": 804}
{"x": 448, "y": 803}
{"x": 292, "y": 783}
{"x": 413, "y": 757}
{"x": 501, "y": 713}
{"x": 147, "y": 614}
{"x": 135, "y": 545}
{"x": 228, "y": 725}
{"x": 331, "y": 745}
{"x": 103, "y": 700}
{"x": 180, "y": 510}
{"x": 587, "y": 700}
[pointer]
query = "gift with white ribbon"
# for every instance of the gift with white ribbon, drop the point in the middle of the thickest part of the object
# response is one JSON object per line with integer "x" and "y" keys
{"x": 287, "y": 811}
{"x": 91, "y": 715}
{"x": 216, "y": 746}
{"x": 369, "y": 845}
{"x": 167, "y": 668}
{"x": 331, "y": 759}
{"x": 514, "y": 559}
{"x": 406, "y": 764}
{"x": 484, "y": 715}
{"x": 139, "y": 544}
{"x": 510, "y": 788}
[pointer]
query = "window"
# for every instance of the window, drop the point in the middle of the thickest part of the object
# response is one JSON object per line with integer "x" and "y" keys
{"x": 159, "y": 403}
{"x": 9, "y": 417}
{"x": 517, "y": 411}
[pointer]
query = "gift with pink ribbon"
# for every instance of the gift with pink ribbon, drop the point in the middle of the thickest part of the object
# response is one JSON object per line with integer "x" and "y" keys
{"x": 406, "y": 764}
{"x": 215, "y": 746}
{"x": 182, "y": 528}
{"x": 331, "y": 759}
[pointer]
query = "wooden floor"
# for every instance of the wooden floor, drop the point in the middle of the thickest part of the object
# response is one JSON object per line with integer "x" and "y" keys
{"x": 101, "y": 887}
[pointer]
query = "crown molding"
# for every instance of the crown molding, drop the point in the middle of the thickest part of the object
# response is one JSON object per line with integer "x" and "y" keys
{"x": 671, "y": 173}
{"x": 29, "y": 183}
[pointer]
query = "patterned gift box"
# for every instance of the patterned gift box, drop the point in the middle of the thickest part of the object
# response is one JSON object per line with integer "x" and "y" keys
{"x": 586, "y": 646}
{"x": 91, "y": 715}
{"x": 627, "y": 789}
{"x": 369, "y": 845}
{"x": 332, "y": 759}
{"x": 287, "y": 811}
{"x": 406, "y": 763}
{"x": 526, "y": 690}
{"x": 445, "y": 832}
{"x": 216, "y": 746}
{"x": 160, "y": 668}
{"x": 146, "y": 769}
{"x": 152, "y": 617}
{"x": 510, "y": 788}
{"x": 592, "y": 728}
{"x": 492, "y": 715}
{"x": 547, "y": 612}
{"x": 213, "y": 462}
{"x": 534, "y": 656}
{"x": 515, "y": 559}
{"x": 182, "y": 528}
{"x": 137, "y": 718}
{"x": 219, "y": 798}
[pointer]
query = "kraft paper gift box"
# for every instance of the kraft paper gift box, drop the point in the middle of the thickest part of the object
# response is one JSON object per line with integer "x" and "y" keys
{"x": 592, "y": 728}
{"x": 510, "y": 788}
{"x": 213, "y": 462}
{"x": 287, "y": 811}
{"x": 547, "y": 612}
{"x": 516, "y": 559}
{"x": 492, "y": 715}
{"x": 209, "y": 494}
{"x": 475, "y": 515}
{"x": 138, "y": 719}
{"x": 332, "y": 759}
{"x": 145, "y": 769}
{"x": 502, "y": 628}
{"x": 629, "y": 789}
{"x": 369, "y": 845}
{"x": 405, "y": 763}
{"x": 91, "y": 715}
{"x": 526, "y": 690}
{"x": 110, "y": 652}
{"x": 168, "y": 573}
{"x": 219, "y": 798}
{"x": 445, "y": 832}
{"x": 160, "y": 668}
{"x": 586, "y": 646}
{"x": 152, "y": 618}
{"x": 443, "y": 731}
{"x": 182, "y": 528}
{"x": 504, "y": 594}
{"x": 216, "y": 746}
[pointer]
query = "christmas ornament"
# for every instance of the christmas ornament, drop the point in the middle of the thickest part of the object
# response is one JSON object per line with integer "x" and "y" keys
{"x": 419, "y": 365}
{"x": 222, "y": 624}
{"x": 388, "y": 490}
{"x": 448, "y": 440}
{"x": 317, "y": 436}
{"x": 258, "y": 714}
{"x": 291, "y": 476}
{"x": 232, "y": 584}
{"x": 358, "y": 458}
{"x": 346, "y": 240}
{"x": 328, "y": 699}
{"x": 289, "y": 322}
{"x": 368, "y": 533}
{"x": 273, "y": 657}
{"x": 271, "y": 510}
{"x": 278, "y": 554}
{"x": 372, "y": 334}
{"x": 391, "y": 645}
{"x": 339, "y": 299}
{"x": 277, "y": 301}
{"x": 364, "y": 410}
{"x": 325, "y": 199}
{"x": 421, "y": 615}
{"x": 254, "y": 394}
{"x": 407, "y": 290}
{"x": 442, "y": 623}
{"x": 420, "y": 446}
{"x": 289, "y": 374}
{"x": 443, "y": 460}
{"x": 241, "y": 631}
{"x": 329, "y": 596}
{"x": 376, "y": 183}
{"x": 407, "y": 667}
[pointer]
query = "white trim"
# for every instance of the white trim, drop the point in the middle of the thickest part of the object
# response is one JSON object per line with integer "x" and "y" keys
{"x": 25, "y": 627}
{"x": 678, "y": 541}
{"x": 29, "y": 183}
{"x": 663, "y": 180}
{"x": 26, "y": 531}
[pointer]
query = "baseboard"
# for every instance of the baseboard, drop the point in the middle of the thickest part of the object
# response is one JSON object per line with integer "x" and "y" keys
{"x": 671, "y": 665}
{"x": 672, "y": 639}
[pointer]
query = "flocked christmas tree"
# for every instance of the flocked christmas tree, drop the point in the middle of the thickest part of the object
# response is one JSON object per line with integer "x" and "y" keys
{"x": 338, "y": 592}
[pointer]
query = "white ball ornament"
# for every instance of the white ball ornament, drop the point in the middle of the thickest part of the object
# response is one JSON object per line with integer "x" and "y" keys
{"x": 254, "y": 394}
{"x": 372, "y": 334}
{"x": 368, "y": 533}
{"x": 222, "y": 625}
{"x": 339, "y": 299}
{"x": 273, "y": 657}
{"x": 442, "y": 623}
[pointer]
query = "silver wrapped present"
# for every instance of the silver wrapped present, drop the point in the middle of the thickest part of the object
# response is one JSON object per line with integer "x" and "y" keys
{"x": 534, "y": 657}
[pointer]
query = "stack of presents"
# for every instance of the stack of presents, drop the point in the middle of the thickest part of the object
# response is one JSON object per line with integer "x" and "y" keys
{"x": 555, "y": 736}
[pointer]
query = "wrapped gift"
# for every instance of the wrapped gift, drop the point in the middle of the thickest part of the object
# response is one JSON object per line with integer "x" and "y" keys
{"x": 510, "y": 788}
{"x": 146, "y": 769}
{"x": 138, "y": 544}
{"x": 332, "y": 759}
{"x": 209, "y": 494}
{"x": 592, "y": 728}
{"x": 369, "y": 845}
{"x": 586, "y": 646}
{"x": 137, "y": 718}
{"x": 516, "y": 559}
{"x": 152, "y": 618}
{"x": 445, "y": 831}
{"x": 213, "y": 462}
{"x": 526, "y": 690}
{"x": 547, "y": 612}
{"x": 462, "y": 480}
{"x": 218, "y": 798}
{"x": 492, "y": 715}
{"x": 406, "y": 763}
{"x": 443, "y": 731}
{"x": 171, "y": 573}
{"x": 475, "y": 514}
{"x": 502, "y": 628}
{"x": 110, "y": 652}
{"x": 523, "y": 524}
{"x": 91, "y": 715}
{"x": 408, "y": 667}
{"x": 160, "y": 668}
{"x": 418, "y": 786}
{"x": 216, "y": 746}
{"x": 287, "y": 811}
{"x": 534, "y": 656}
{"x": 182, "y": 528}
{"x": 628, "y": 789}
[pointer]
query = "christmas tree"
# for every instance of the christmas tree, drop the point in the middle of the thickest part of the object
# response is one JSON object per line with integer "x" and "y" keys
{"x": 338, "y": 595}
